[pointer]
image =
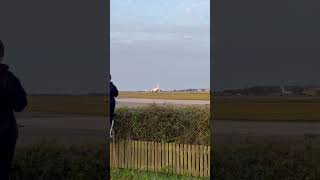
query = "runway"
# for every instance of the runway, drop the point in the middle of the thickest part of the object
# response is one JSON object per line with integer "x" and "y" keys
{"x": 224, "y": 131}
{"x": 62, "y": 128}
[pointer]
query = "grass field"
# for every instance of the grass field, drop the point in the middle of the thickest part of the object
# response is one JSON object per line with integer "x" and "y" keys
{"x": 267, "y": 108}
{"x": 235, "y": 108}
{"x": 166, "y": 95}
{"x": 87, "y": 105}
{"x": 121, "y": 174}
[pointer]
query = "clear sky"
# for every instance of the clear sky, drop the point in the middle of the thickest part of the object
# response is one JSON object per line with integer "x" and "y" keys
{"x": 156, "y": 41}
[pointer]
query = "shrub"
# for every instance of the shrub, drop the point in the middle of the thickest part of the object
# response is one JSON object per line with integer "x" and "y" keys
{"x": 164, "y": 124}
{"x": 265, "y": 161}
{"x": 50, "y": 161}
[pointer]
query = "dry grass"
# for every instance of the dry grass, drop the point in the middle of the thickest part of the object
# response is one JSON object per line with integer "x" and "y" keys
{"x": 89, "y": 105}
{"x": 262, "y": 108}
{"x": 166, "y": 95}
{"x": 236, "y": 108}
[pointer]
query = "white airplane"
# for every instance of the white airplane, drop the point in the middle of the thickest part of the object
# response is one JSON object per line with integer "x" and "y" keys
{"x": 157, "y": 89}
{"x": 284, "y": 91}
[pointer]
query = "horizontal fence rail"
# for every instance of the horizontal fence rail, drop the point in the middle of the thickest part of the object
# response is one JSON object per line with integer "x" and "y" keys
{"x": 182, "y": 159}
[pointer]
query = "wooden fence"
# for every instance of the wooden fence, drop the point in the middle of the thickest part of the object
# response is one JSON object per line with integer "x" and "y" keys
{"x": 183, "y": 159}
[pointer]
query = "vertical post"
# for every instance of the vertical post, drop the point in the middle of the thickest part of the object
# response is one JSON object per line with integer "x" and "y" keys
{"x": 205, "y": 163}
{"x": 197, "y": 161}
{"x": 181, "y": 159}
{"x": 170, "y": 157}
{"x": 189, "y": 160}
{"x": 185, "y": 158}
{"x": 163, "y": 150}
{"x": 201, "y": 160}
{"x": 174, "y": 166}
{"x": 193, "y": 160}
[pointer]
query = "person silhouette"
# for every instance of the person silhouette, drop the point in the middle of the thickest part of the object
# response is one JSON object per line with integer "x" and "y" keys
{"x": 113, "y": 93}
{"x": 12, "y": 98}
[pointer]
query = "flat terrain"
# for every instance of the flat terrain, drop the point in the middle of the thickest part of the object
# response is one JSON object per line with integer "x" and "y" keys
{"x": 166, "y": 95}
{"x": 277, "y": 119}
{"x": 76, "y": 117}
{"x": 228, "y": 132}
{"x": 267, "y": 108}
{"x": 62, "y": 128}
{"x": 72, "y": 119}
{"x": 86, "y": 105}
{"x": 132, "y": 102}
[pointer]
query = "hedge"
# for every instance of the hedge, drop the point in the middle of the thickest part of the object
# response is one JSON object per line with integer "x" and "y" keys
{"x": 167, "y": 123}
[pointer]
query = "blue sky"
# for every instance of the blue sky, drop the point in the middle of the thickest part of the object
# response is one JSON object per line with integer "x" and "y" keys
{"x": 156, "y": 41}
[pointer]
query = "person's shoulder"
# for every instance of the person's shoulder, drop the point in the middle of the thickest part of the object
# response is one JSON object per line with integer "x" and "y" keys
{"x": 11, "y": 76}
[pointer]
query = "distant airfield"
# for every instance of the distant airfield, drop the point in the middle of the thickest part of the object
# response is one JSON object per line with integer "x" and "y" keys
{"x": 132, "y": 99}
{"x": 165, "y": 95}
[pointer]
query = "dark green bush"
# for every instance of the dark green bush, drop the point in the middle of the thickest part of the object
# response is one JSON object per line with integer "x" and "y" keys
{"x": 265, "y": 161}
{"x": 50, "y": 161}
{"x": 164, "y": 123}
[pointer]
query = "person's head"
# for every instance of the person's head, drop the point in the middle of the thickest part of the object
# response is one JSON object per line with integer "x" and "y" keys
{"x": 1, "y": 51}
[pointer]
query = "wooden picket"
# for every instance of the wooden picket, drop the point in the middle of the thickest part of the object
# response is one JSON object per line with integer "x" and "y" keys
{"x": 183, "y": 159}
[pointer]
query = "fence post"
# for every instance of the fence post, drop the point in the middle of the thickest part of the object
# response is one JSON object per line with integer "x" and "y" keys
{"x": 193, "y": 160}
{"x": 149, "y": 156}
{"x": 189, "y": 160}
{"x": 209, "y": 162}
{"x": 159, "y": 156}
{"x": 197, "y": 161}
{"x": 177, "y": 159}
{"x": 163, "y": 155}
{"x": 181, "y": 160}
{"x": 152, "y": 156}
{"x": 145, "y": 155}
{"x": 136, "y": 155}
{"x": 185, "y": 158}
{"x": 201, "y": 160}
{"x": 174, "y": 159}
{"x": 132, "y": 154}
{"x": 205, "y": 168}
{"x": 170, "y": 158}
{"x": 111, "y": 155}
